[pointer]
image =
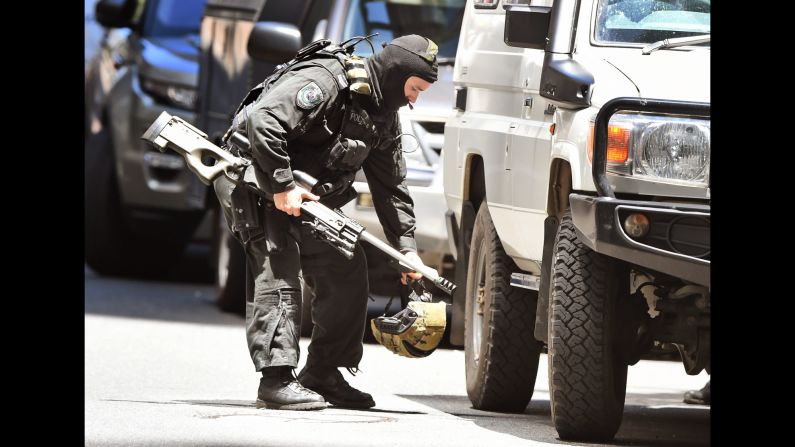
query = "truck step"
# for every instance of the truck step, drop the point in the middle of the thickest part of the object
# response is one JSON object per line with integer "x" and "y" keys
{"x": 525, "y": 281}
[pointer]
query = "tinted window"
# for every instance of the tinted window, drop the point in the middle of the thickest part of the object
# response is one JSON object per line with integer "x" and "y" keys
{"x": 647, "y": 21}
{"x": 438, "y": 20}
{"x": 173, "y": 17}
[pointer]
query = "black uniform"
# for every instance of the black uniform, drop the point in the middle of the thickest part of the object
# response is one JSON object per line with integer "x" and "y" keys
{"x": 309, "y": 119}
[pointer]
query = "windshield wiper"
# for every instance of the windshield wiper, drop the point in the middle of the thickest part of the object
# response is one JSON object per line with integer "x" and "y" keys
{"x": 676, "y": 42}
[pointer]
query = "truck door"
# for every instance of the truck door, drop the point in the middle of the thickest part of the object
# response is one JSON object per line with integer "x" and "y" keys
{"x": 529, "y": 147}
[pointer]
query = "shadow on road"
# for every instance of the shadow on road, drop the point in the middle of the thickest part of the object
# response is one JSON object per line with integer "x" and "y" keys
{"x": 192, "y": 267}
{"x": 249, "y": 404}
{"x": 186, "y": 295}
{"x": 154, "y": 300}
{"x": 661, "y": 420}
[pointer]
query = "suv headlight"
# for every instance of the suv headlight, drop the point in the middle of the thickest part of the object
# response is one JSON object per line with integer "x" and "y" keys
{"x": 178, "y": 96}
{"x": 663, "y": 148}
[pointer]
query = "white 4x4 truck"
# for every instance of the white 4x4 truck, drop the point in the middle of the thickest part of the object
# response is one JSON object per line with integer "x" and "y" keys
{"x": 576, "y": 173}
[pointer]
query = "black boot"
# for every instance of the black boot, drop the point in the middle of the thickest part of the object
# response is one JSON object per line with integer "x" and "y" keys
{"x": 329, "y": 383}
{"x": 699, "y": 397}
{"x": 279, "y": 390}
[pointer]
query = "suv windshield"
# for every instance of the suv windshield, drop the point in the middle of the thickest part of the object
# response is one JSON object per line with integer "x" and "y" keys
{"x": 173, "y": 17}
{"x": 647, "y": 21}
{"x": 438, "y": 20}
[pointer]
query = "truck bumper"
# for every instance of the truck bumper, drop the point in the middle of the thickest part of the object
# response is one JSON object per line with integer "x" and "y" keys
{"x": 677, "y": 243}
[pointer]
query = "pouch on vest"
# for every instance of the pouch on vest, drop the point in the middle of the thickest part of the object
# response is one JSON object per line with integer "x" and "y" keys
{"x": 337, "y": 190}
{"x": 245, "y": 214}
{"x": 258, "y": 217}
{"x": 347, "y": 155}
{"x": 277, "y": 222}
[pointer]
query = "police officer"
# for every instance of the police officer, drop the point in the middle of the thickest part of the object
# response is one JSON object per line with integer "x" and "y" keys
{"x": 327, "y": 113}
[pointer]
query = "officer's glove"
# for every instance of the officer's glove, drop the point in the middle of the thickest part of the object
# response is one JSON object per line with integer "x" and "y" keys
{"x": 413, "y": 275}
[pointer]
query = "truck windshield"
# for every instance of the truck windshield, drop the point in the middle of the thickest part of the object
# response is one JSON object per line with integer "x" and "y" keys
{"x": 172, "y": 17}
{"x": 438, "y": 20}
{"x": 647, "y": 21}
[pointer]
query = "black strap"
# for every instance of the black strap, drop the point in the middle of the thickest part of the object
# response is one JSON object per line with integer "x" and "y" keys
{"x": 241, "y": 182}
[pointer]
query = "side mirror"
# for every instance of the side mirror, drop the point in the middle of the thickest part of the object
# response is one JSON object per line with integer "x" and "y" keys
{"x": 115, "y": 13}
{"x": 274, "y": 42}
{"x": 526, "y": 26}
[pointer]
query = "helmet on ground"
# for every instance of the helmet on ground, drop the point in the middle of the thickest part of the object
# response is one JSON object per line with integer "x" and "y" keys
{"x": 414, "y": 331}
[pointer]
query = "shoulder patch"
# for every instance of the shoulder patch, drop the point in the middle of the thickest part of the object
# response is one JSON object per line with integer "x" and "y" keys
{"x": 309, "y": 96}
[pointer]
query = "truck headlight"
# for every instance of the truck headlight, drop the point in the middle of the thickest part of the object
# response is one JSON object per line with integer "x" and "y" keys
{"x": 674, "y": 150}
{"x": 663, "y": 148}
{"x": 174, "y": 95}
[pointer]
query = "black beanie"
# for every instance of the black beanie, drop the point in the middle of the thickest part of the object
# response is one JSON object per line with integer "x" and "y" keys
{"x": 402, "y": 58}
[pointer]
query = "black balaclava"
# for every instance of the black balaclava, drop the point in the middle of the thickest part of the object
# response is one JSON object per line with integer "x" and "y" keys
{"x": 400, "y": 59}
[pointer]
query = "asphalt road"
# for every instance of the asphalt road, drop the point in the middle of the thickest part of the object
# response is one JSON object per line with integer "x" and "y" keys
{"x": 164, "y": 367}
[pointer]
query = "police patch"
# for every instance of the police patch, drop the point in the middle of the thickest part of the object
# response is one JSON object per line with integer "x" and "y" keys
{"x": 309, "y": 96}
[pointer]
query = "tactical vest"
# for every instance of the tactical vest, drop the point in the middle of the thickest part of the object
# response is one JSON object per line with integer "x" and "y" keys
{"x": 357, "y": 133}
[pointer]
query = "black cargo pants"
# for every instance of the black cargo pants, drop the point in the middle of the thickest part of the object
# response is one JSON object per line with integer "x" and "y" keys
{"x": 274, "y": 281}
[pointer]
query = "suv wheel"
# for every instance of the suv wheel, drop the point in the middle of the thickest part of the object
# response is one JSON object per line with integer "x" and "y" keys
{"x": 500, "y": 351}
{"x": 111, "y": 249}
{"x": 587, "y": 375}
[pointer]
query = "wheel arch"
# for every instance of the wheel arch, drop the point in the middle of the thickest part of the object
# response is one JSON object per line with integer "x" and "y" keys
{"x": 560, "y": 186}
{"x": 473, "y": 194}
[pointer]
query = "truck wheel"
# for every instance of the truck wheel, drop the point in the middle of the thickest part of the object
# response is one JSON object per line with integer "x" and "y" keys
{"x": 587, "y": 376}
{"x": 500, "y": 352}
{"x": 230, "y": 269}
{"x": 111, "y": 249}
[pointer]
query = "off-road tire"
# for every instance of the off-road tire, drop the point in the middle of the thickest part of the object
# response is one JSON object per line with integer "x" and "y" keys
{"x": 504, "y": 376}
{"x": 587, "y": 378}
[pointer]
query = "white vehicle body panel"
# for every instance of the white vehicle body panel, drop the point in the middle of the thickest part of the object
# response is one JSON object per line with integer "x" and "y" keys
{"x": 515, "y": 141}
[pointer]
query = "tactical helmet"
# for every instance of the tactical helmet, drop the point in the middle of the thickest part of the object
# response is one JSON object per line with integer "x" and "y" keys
{"x": 414, "y": 331}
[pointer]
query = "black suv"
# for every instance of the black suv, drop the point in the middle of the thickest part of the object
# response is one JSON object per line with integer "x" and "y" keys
{"x": 142, "y": 207}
